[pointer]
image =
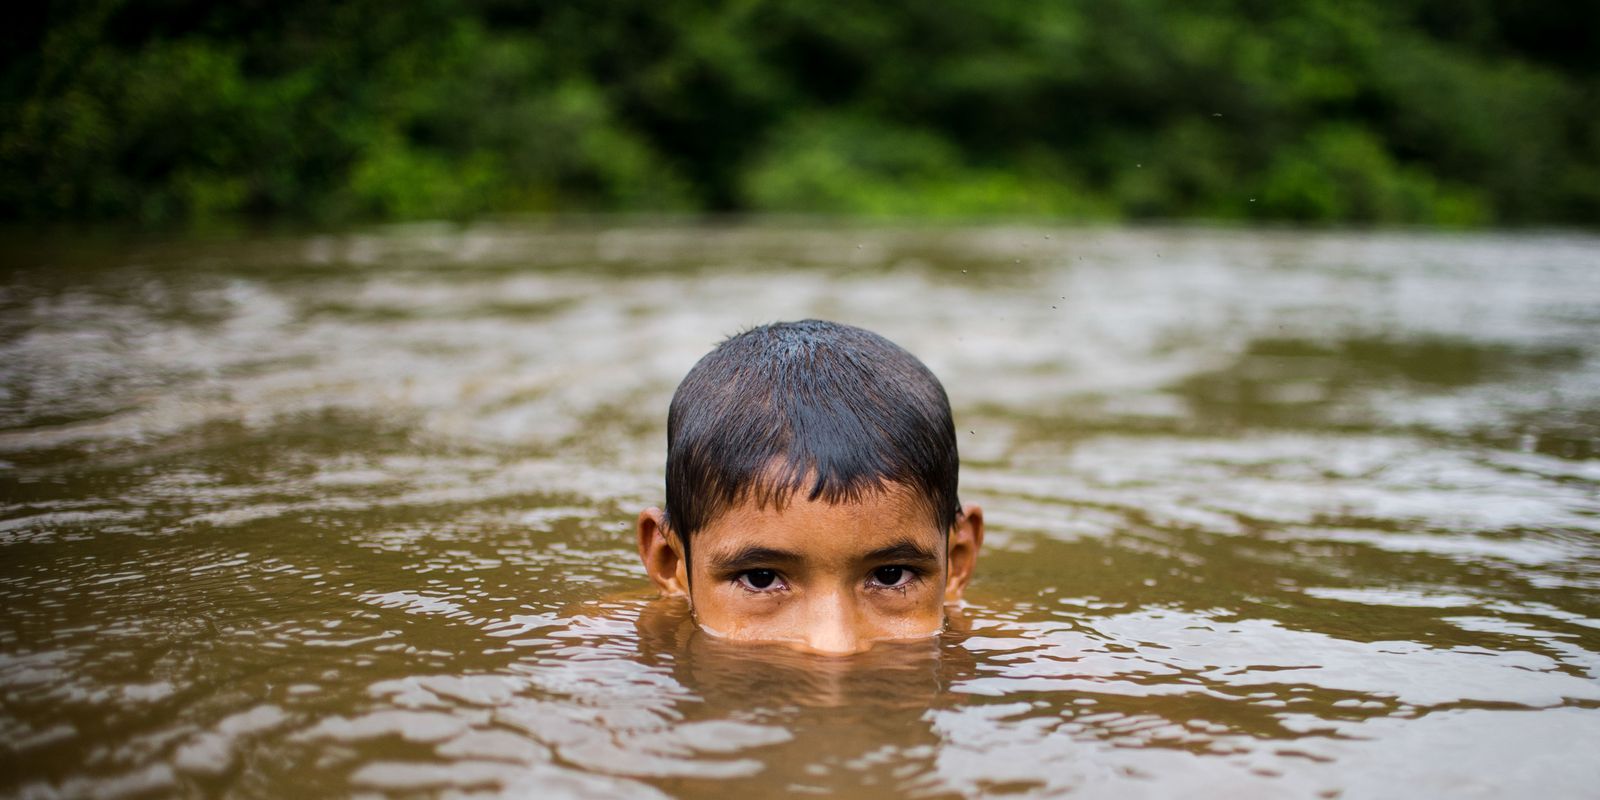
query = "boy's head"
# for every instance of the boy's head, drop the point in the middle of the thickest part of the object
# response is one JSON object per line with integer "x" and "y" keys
{"x": 811, "y": 491}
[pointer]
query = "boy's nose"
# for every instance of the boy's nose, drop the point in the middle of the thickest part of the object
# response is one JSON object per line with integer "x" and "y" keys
{"x": 831, "y": 627}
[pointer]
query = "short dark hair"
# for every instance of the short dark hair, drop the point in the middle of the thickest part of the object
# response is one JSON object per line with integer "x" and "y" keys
{"x": 782, "y": 404}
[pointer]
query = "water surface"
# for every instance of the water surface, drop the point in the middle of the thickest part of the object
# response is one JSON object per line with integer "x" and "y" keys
{"x": 1271, "y": 514}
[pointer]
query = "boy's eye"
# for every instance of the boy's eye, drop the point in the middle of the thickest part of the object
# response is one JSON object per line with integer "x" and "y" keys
{"x": 892, "y": 577}
{"x": 759, "y": 580}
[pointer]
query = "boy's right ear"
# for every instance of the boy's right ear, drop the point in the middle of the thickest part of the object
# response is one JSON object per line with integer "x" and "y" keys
{"x": 662, "y": 554}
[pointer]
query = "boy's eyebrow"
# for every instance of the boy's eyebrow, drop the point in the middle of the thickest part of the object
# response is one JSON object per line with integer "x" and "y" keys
{"x": 752, "y": 557}
{"x": 904, "y": 551}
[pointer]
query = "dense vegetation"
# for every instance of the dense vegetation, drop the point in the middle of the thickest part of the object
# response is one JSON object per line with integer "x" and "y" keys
{"x": 1389, "y": 111}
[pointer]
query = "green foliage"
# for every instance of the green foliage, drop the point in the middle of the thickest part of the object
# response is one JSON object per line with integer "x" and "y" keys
{"x": 1343, "y": 173}
{"x": 1409, "y": 112}
{"x": 859, "y": 166}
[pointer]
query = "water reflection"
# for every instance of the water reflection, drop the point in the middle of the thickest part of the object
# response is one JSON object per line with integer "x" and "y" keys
{"x": 1279, "y": 514}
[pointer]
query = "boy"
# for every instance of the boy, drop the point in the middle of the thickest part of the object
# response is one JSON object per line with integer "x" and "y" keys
{"x": 811, "y": 492}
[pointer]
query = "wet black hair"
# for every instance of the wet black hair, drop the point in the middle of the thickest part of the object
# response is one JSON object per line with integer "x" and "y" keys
{"x": 832, "y": 409}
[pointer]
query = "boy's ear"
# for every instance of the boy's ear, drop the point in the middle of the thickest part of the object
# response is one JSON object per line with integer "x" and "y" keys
{"x": 662, "y": 554}
{"x": 966, "y": 538}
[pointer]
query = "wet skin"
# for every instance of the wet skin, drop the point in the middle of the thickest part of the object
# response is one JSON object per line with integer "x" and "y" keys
{"x": 908, "y": 675}
{"x": 825, "y": 578}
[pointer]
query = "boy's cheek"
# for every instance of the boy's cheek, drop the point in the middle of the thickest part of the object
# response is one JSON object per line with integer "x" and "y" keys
{"x": 728, "y": 609}
{"x": 749, "y": 619}
{"x": 732, "y": 603}
{"x": 734, "y": 613}
{"x": 921, "y": 621}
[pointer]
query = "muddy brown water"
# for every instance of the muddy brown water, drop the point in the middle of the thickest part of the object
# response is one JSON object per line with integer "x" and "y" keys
{"x": 1271, "y": 514}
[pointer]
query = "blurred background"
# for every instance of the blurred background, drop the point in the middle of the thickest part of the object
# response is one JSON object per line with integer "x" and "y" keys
{"x": 1431, "y": 112}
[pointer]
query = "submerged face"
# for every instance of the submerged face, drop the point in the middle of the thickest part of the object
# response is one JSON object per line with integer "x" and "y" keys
{"x": 828, "y": 578}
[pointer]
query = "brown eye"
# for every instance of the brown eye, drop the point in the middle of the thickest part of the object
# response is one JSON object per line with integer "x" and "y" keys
{"x": 759, "y": 580}
{"x": 891, "y": 576}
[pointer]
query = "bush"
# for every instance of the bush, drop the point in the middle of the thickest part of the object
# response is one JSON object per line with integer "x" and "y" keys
{"x": 1334, "y": 111}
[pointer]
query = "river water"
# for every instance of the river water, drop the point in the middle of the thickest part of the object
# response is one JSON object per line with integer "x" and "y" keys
{"x": 1271, "y": 514}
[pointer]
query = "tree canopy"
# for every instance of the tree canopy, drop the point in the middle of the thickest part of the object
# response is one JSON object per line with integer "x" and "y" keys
{"x": 1453, "y": 112}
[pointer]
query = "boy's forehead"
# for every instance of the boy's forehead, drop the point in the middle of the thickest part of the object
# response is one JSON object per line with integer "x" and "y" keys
{"x": 816, "y": 528}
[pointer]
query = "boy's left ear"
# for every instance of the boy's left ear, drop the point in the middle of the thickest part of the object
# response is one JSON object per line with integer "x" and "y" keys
{"x": 966, "y": 538}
